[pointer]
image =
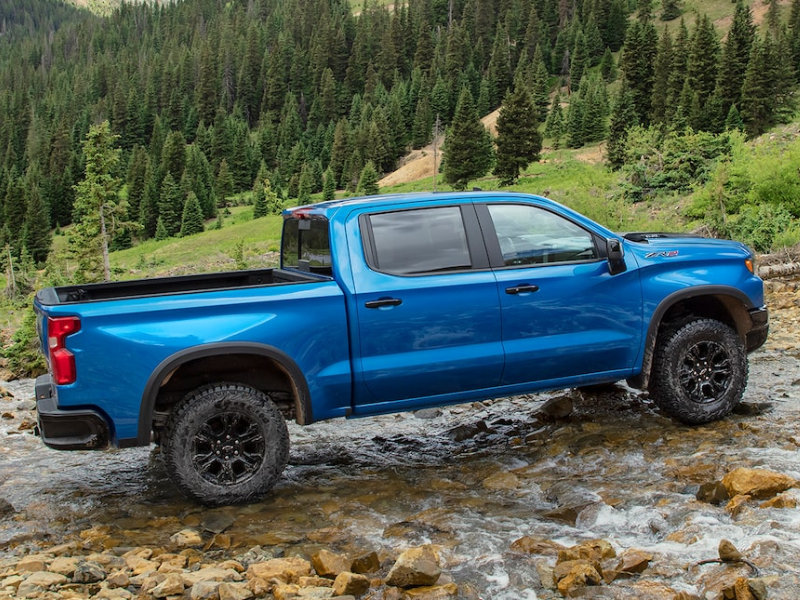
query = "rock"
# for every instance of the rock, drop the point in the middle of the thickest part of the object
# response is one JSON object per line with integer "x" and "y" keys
{"x": 234, "y": 591}
{"x": 559, "y": 407}
{"x": 112, "y": 594}
{"x": 741, "y": 590}
{"x": 737, "y": 504}
{"x": 283, "y": 569}
{"x": 758, "y": 588}
{"x": 501, "y": 481}
{"x": 295, "y": 592}
{"x": 592, "y": 550}
{"x": 535, "y": 545}
{"x": 351, "y": 584}
{"x": 65, "y": 565}
{"x": 139, "y": 565}
{"x": 573, "y": 575}
{"x": 205, "y": 590}
{"x": 571, "y": 500}
{"x": 89, "y": 572}
{"x": 210, "y": 574}
{"x": 468, "y": 431}
{"x": 186, "y": 538}
{"x": 728, "y": 552}
{"x": 415, "y": 567}
{"x": 713, "y": 493}
{"x": 428, "y": 413}
{"x": 118, "y": 579}
{"x": 780, "y": 501}
{"x": 329, "y": 564}
{"x": 366, "y": 563}
{"x": 632, "y": 562}
{"x": 437, "y": 592}
{"x": 172, "y": 585}
{"x": 286, "y": 591}
{"x": 6, "y": 508}
{"x": 40, "y": 580}
{"x": 217, "y": 522}
{"x": 32, "y": 564}
{"x": 757, "y": 483}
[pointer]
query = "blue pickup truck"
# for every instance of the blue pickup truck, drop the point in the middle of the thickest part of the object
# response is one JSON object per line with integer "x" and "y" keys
{"x": 392, "y": 303}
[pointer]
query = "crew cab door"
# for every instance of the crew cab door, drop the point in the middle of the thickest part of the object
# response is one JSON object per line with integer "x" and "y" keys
{"x": 428, "y": 319}
{"x": 563, "y": 315}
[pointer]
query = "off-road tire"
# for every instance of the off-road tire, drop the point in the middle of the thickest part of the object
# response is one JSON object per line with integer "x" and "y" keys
{"x": 225, "y": 444}
{"x": 699, "y": 371}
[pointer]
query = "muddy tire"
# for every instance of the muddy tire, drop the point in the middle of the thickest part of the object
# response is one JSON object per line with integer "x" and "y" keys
{"x": 226, "y": 444}
{"x": 699, "y": 371}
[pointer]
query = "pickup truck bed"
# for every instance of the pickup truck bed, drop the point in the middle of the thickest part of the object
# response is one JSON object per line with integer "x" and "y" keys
{"x": 160, "y": 286}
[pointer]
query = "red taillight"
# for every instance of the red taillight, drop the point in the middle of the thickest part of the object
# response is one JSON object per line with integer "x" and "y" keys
{"x": 62, "y": 361}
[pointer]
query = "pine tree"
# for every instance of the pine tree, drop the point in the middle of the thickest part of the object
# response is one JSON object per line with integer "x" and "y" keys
{"x": 161, "y": 231}
{"x": 662, "y": 72}
{"x": 607, "y": 67}
{"x": 304, "y": 186}
{"x": 36, "y": 234}
{"x": 677, "y": 77}
{"x": 192, "y": 220}
{"x": 623, "y": 116}
{"x": 670, "y": 10}
{"x": 368, "y": 181}
{"x": 329, "y": 186}
{"x": 468, "y": 152}
{"x": 136, "y": 179}
{"x": 578, "y": 60}
{"x": 638, "y": 63}
{"x": 575, "y": 118}
{"x": 170, "y": 205}
{"x": 540, "y": 86}
{"x": 97, "y": 205}
{"x": 499, "y": 72}
{"x": 518, "y": 139}
{"x": 554, "y": 125}
{"x": 223, "y": 187}
{"x": 173, "y": 155}
{"x": 735, "y": 57}
{"x": 423, "y": 122}
{"x": 703, "y": 58}
{"x": 733, "y": 122}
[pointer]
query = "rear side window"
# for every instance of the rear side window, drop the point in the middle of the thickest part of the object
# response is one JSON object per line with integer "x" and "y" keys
{"x": 305, "y": 245}
{"x": 413, "y": 242}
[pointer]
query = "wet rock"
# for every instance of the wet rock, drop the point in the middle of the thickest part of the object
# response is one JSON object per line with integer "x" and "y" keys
{"x": 415, "y": 567}
{"x": 234, "y": 591}
{"x": 205, "y": 590}
{"x": 468, "y": 431}
{"x": 632, "y": 562}
{"x": 534, "y": 545}
{"x": 753, "y": 409}
{"x": 210, "y": 574}
{"x": 758, "y": 588}
{"x": 685, "y": 596}
{"x": 366, "y": 563}
{"x": 758, "y": 483}
{"x": 713, "y": 493}
{"x": 6, "y": 508}
{"x": 428, "y": 413}
{"x": 737, "y": 504}
{"x": 217, "y": 522}
{"x": 501, "y": 481}
{"x": 570, "y": 500}
{"x": 172, "y": 585}
{"x": 436, "y": 592}
{"x": 780, "y": 501}
{"x": 351, "y": 584}
{"x": 41, "y": 580}
{"x": 329, "y": 564}
{"x": 572, "y": 576}
{"x": 728, "y": 552}
{"x": 89, "y": 572}
{"x": 559, "y": 407}
{"x": 186, "y": 538}
{"x": 287, "y": 570}
{"x": 314, "y": 581}
{"x": 592, "y": 550}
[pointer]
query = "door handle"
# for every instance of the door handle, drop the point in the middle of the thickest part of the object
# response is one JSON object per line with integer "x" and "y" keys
{"x": 522, "y": 289}
{"x": 383, "y": 302}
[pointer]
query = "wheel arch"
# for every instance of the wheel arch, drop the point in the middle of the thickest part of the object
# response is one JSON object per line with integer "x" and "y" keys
{"x": 278, "y": 367}
{"x": 724, "y": 303}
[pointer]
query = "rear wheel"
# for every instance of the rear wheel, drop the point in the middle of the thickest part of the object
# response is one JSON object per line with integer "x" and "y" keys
{"x": 226, "y": 444}
{"x": 699, "y": 371}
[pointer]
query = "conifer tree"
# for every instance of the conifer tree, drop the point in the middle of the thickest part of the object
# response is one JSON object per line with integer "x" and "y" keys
{"x": 623, "y": 116}
{"x": 638, "y": 63}
{"x": 670, "y": 10}
{"x": 14, "y": 208}
{"x": 329, "y": 186}
{"x": 554, "y": 125}
{"x": 680, "y": 60}
{"x": 368, "y": 181}
{"x": 304, "y": 186}
{"x": 223, "y": 187}
{"x": 170, "y": 205}
{"x": 137, "y": 179}
{"x": 97, "y": 206}
{"x": 662, "y": 72}
{"x": 578, "y": 60}
{"x": 733, "y": 122}
{"x": 540, "y": 86}
{"x": 703, "y": 57}
{"x": 192, "y": 220}
{"x": 173, "y": 155}
{"x": 735, "y": 56}
{"x": 423, "y": 123}
{"x": 36, "y": 235}
{"x": 468, "y": 151}
{"x": 499, "y": 71}
{"x": 575, "y": 120}
{"x": 607, "y": 68}
{"x": 518, "y": 139}
{"x": 161, "y": 231}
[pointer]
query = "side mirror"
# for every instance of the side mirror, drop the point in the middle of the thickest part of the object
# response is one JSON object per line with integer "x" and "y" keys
{"x": 616, "y": 256}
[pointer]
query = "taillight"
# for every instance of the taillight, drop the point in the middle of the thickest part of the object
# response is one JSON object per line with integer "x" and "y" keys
{"x": 62, "y": 361}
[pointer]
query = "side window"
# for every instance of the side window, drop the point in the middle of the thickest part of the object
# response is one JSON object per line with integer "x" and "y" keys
{"x": 530, "y": 236}
{"x": 427, "y": 240}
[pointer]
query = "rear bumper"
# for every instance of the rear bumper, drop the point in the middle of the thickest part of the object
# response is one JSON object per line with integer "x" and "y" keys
{"x": 758, "y": 332}
{"x": 81, "y": 429}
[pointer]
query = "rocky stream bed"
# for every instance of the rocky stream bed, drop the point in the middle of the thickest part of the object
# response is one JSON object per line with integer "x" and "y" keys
{"x": 590, "y": 494}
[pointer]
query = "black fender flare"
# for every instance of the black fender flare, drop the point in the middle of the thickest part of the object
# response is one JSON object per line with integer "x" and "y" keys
{"x": 641, "y": 380}
{"x": 171, "y": 363}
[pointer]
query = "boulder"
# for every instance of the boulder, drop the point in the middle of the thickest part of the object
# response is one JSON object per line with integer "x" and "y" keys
{"x": 186, "y": 538}
{"x": 436, "y": 592}
{"x": 591, "y": 550}
{"x": 287, "y": 570}
{"x": 330, "y": 564}
{"x": 535, "y": 545}
{"x": 172, "y": 585}
{"x": 351, "y": 584}
{"x": 737, "y": 504}
{"x": 415, "y": 567}
{"x": 112, "y": 594}
{"x": 89, "y": 572}
{"x": 728, "y": 552}
{"x": 501, "y": 481}
{"x": 713, "y": 493}
{"x": 32, "y": 564}
{"x": 118, "y": 579}
{"x": 234, "y": 591}
{"x": 780, "y": 501}
{"x": 572, "y": 576}
{"x": 559, "y": 407}
{"x": 366, "y": 563}
{"x": 210, "y": 574}
{"x": 205, "y": 590}
{"x": 757, "y": 483}
{"x": 632, "y": 562}
{"x": 65, "y": 565}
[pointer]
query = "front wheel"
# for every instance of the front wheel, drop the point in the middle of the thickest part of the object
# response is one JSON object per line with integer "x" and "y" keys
{"x": 226, "y": 444}
{"x": 699, "y": 371}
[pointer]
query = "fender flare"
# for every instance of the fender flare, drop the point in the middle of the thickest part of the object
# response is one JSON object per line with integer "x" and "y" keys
{"x": 641, "y": 380}
{"x": 169, "y": 364}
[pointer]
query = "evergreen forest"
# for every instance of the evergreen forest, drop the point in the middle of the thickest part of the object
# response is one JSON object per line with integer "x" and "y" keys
{"x": 206, "y": 99}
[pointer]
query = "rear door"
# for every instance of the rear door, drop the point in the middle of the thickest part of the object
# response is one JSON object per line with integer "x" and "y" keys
{"x": 426, "y": 306}
{"x": 563, "y": 315}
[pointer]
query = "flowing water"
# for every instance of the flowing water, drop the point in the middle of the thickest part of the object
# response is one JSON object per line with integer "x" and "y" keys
{"x": 471, "y": 479}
